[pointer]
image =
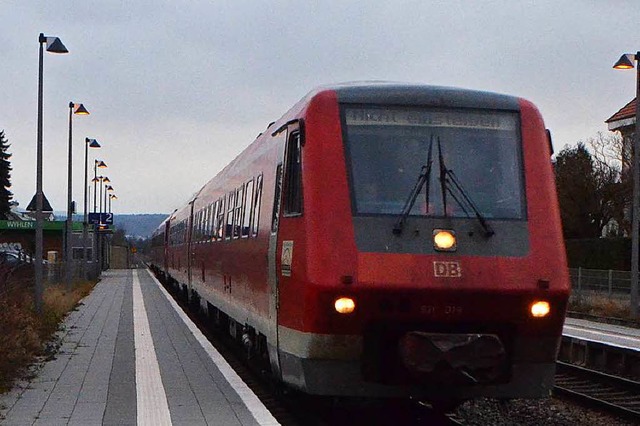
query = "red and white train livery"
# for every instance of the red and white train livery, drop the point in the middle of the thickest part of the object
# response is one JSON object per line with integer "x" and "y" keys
{"x": 385, "y": 240}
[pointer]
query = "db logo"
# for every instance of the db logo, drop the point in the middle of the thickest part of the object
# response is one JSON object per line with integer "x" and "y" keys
{"x": 447, "y": 269}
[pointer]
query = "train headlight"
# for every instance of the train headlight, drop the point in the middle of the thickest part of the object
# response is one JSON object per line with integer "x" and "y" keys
{"x": 540, "y": 309}
{"x": 345, "y": 305}
{"x": 444, "y": 240}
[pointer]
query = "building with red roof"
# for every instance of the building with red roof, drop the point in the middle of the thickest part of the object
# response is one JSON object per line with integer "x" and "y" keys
{"x": 624, "y": 119}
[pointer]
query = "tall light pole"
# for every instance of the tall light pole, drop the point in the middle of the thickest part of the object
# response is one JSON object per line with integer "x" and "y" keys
{"x": 103, "y": 180}
{"x": 88, "y": 143}
{"x": 111, "y": 197}
{"x": 97, "y": 164}
{"x": 77, "y": 109}
{"x": 53, "y": 45}
{"x": 107, "y": 189}
{"x": 626, "y": 61}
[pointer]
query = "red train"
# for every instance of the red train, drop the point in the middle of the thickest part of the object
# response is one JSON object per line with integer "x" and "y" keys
{"x": 385, "y": 240}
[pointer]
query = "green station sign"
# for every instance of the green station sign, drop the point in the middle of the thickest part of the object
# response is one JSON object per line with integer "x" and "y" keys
{"x": 29, "y": 225}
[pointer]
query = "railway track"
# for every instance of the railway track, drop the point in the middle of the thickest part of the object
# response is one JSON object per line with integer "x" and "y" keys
{"x": 594, "y": 389}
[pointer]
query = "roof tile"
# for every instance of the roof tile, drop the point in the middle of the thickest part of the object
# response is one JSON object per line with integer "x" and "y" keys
{"x": 627, "y": 111}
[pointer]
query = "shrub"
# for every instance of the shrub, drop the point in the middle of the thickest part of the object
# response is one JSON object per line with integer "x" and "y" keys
{"x": 601, "y": 306}
{"x": 24, "y": 333}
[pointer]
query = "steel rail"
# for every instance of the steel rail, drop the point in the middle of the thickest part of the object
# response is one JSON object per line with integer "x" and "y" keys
{"x": 599, "y": 390}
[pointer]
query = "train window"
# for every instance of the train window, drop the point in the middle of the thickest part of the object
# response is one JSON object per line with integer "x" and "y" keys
{"x": 201, "y": 225}
{"x": 389, "y": 148}
{"x": 247, "y": 212}
{"x": 220, "y": 219}
{"x": 237, "y": 213}
{"x": 293, "y": 176}
{"x": 208, "y": 224}
{"x": 216, "y": 220}
{"x": 255, "y": 210}
{"x": 210, "y": 221}
{"x": 195, "y": 227}
{"x": 230, "y": 208}
{"x": 206, "y": 228}
{"x": 275, "y": 215}
{"x": 176, "y": 234}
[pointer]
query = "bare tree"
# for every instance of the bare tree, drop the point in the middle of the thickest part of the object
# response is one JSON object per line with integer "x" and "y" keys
{"x": 612, "y": 160}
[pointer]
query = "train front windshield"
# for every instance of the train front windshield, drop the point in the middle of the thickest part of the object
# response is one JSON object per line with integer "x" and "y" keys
{"x": 390, "y": 148}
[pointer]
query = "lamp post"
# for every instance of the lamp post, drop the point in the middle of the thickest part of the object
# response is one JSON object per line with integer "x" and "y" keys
{"x": 103, "y": 183}
{"x": 103, "y": 180}
{"x": 626, "y": 61}
{"x": 77, "y": 109}
{"x": 111, "y": 197}
{"x": 107, "y": 189}
{"x": 97, "y": 164}
{"x": 53, "y": 45}
{"x": 107, "y": 249}
{"x": 88, "y": 143}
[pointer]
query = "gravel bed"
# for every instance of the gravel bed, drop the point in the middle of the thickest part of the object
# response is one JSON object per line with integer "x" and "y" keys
{"x": 546, "y": 412}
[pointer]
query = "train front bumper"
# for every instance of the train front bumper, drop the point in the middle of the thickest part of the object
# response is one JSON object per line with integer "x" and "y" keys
{"x": 419, "y": 364}
{"x": 463, "y": 359}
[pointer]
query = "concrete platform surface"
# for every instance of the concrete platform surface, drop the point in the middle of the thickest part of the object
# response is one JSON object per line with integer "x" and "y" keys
{"x": 607, "y": 334}
{"x": 130, "y": 356}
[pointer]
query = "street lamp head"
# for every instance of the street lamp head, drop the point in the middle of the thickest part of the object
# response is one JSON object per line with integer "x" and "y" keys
{"x": 113, "y": 196}
{"x": 109, "y": 188}
{"x": 54, "y": 45}
{"x": 78, "y": 109}
{"x": 625, "y": 62}
{"x": 106, "y": 179}
{"x": 92, "y": 143}
{"x": 101, "y": 164}
{"x": 96, "y": 179}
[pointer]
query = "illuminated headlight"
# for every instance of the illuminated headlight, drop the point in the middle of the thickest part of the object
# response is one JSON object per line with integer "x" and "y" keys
{"x": 345, "y": 305}
{"x": 540, "y": 309}
{"x": 444, "y": 240}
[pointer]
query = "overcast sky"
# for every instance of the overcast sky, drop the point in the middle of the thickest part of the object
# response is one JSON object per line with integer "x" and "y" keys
{"x": 176, "y": 89}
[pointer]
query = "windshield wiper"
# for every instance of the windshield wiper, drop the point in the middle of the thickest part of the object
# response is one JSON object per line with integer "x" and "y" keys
{"x": 425, "y": 173}
{"x": 450, "y": 184}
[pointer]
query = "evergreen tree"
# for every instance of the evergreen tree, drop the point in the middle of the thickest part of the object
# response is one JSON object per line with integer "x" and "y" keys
{"x": 586, "y": 193}
{"x": 5, "y": 175}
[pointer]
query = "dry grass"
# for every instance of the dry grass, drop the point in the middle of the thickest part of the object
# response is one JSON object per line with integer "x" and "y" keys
{"x": 24, "y": 334}
{"x": 601, "y": 306}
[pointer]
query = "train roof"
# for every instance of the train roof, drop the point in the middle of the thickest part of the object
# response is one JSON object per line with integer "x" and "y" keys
{"x": 383, "y": 93}
{"x": 373, "y": 92}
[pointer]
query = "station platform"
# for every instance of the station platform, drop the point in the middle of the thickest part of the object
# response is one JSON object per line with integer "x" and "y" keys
{"x": 130, "y": 356}
{"x": 609, "y": 348}
{"x": 606, "y": 334}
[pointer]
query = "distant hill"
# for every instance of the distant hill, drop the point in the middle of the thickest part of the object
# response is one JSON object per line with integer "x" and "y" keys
{"x": 134, "y": 225}
{"x": 138, "y": 225}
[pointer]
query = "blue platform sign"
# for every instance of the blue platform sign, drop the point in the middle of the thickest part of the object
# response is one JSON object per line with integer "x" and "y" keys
{"x": 101, "y": 218}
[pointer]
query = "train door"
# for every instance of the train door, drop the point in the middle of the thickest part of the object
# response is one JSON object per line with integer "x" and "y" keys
{"x": 291, "y": 242}
{"x": 272, "y": 338}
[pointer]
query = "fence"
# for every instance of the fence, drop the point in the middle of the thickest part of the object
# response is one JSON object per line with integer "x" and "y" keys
{"x": 22, "y": 277}
{"x": 610, "y": 283}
